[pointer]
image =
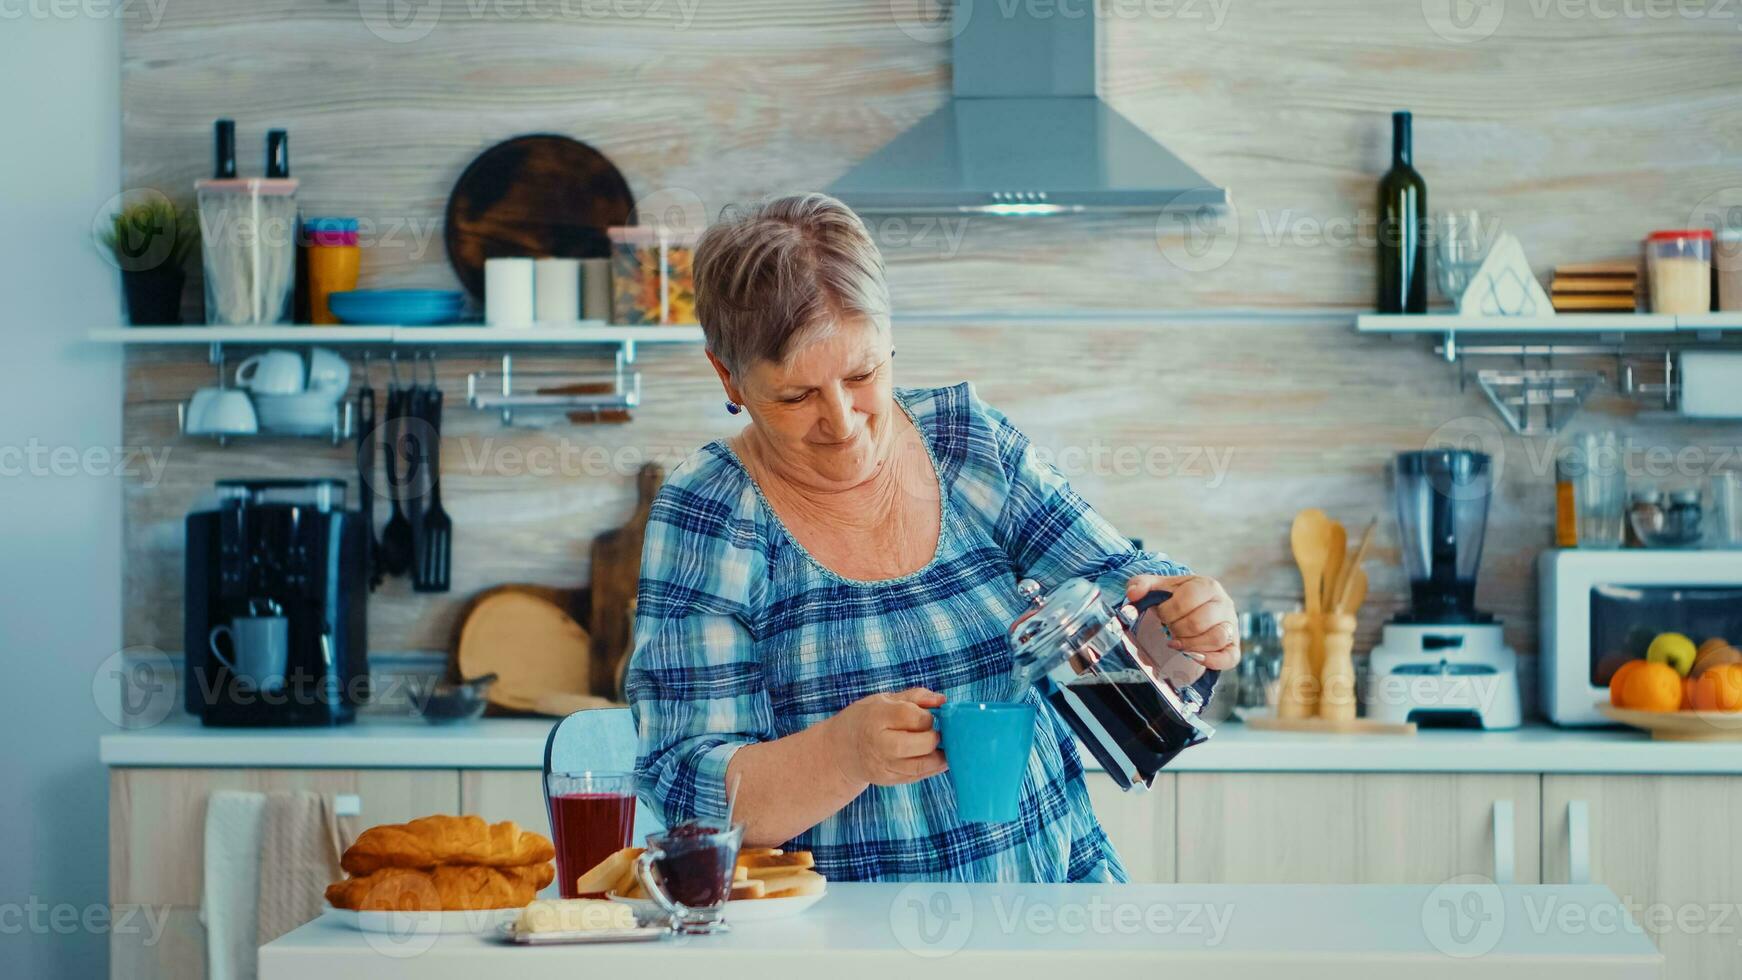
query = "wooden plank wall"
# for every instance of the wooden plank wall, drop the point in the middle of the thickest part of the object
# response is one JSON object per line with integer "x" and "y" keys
{"x": 1581, "y": 133}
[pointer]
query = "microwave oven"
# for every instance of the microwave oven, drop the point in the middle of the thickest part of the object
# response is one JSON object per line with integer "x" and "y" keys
{"x": 1601, "y": 609}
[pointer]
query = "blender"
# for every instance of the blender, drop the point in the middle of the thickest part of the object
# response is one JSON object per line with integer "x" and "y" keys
{"x": 1442, "y": 661}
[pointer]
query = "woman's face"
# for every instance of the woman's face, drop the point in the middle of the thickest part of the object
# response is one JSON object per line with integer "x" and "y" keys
{"x": 824, "y": 411}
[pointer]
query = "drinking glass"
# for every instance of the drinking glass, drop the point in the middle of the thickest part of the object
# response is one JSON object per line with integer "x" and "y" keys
{"x": 1724, "y": 520}
{"x": 1461, "y": 242}
{"x": 1600, "y": 490}
{"x": 592, "y": 815}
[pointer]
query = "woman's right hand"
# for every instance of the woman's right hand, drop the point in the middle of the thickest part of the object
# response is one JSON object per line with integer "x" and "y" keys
{"x": 888, "y": 739}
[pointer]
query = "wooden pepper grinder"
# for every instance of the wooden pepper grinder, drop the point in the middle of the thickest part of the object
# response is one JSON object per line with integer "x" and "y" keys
{"x": 1337, "y": 673}
{"x": 1298, "y": 688}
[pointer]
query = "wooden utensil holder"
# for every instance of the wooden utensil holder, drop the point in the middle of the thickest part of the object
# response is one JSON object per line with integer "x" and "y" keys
{"x": 1318, "y": 669}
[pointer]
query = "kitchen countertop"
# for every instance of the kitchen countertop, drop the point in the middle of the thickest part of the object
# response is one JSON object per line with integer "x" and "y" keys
{"x": 963, "y": 932}
{"x": 408, "y": 743}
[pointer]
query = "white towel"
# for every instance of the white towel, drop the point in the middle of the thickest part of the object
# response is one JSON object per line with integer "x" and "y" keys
{"x": 299, "y": 857}
{"x": 229, "y": 906}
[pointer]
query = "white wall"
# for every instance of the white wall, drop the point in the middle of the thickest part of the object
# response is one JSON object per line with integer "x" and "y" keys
{"x": 59, "y": 534}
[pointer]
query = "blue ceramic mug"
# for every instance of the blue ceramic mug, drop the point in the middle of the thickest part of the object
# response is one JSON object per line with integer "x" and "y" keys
{"x": 987, "y": 745}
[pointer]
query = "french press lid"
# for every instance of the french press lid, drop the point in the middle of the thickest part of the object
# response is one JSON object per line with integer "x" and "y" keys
{"x": 1055, "y": 617}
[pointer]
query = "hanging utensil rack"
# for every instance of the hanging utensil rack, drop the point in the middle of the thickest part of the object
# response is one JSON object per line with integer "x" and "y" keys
{"x": 624, "y": 394}
{"x": 1537, "y": 396}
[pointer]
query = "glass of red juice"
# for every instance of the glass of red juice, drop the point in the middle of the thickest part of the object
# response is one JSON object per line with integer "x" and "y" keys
{"x": 592, "y": 815}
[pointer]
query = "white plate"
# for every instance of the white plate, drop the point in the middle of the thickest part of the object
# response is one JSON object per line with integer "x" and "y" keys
{"x": 738, "y": 910}
{"x": 470, "y": 922}
{"x": 641, "y": 934}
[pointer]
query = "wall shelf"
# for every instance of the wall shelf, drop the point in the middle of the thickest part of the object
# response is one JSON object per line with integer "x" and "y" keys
{"x": 582, "y": 332}
{"x": 1563, "y": 323}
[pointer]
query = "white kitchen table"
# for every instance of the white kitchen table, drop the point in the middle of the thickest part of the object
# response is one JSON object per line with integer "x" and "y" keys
{"x": 1064, "y": 932}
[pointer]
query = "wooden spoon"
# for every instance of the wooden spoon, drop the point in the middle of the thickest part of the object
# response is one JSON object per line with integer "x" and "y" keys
{"x": 1354, "y": 592}
{"x": 1339, "y": 600}
{"x": 1310, "y": 539}
{"x": 1336, "y": 552}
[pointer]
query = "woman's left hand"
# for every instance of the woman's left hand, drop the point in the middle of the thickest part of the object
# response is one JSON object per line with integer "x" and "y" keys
{"x": 1200, "y": 616}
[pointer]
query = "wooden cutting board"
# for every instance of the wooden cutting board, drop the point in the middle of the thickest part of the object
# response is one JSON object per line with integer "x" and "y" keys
{"x": 616, "y": 572}
{"x": 525, "y": 635}
{"x": 542, "y": 195}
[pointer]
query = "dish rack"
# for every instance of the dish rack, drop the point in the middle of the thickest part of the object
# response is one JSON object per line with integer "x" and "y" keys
{"x": 621, "y": 394}
{"x": 344, "y": 428}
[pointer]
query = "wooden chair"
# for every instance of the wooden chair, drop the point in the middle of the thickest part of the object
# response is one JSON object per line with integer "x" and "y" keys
{"x": 599, "y": 740}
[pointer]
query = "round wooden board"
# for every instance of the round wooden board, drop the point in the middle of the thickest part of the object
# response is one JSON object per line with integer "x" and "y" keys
{"x": 1679, "y": 726}
{"x": 535, "y": 648}
{"x": 540, "y": 196}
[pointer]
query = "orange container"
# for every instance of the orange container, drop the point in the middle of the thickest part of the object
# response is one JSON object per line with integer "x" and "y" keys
{"x": 333, "y": 261}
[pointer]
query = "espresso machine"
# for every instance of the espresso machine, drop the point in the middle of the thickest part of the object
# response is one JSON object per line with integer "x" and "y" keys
{"x": 1442, "y": 661}
{"x": 276, "y": 603}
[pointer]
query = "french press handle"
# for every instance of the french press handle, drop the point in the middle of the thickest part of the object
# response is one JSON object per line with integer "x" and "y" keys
{"x": 1146, "y": 603}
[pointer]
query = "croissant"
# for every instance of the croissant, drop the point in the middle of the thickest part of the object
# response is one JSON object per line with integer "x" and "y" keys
{"x": 449, "y": 888}
{"x": 431, "y": 841}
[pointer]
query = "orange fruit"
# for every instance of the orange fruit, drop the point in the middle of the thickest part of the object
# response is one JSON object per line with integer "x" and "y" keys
{"x": 1653, "y": 687}
{"x": 1618, "y": 682}
{"x": 1687, "y": 694}
{"x": 1719, "y": 689}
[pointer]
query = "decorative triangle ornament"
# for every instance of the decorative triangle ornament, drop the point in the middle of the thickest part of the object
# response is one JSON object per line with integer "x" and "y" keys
{"x": 1505, "y": 286}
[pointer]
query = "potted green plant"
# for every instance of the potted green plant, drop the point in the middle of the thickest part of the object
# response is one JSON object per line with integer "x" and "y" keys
{"x": 150, "y": 241}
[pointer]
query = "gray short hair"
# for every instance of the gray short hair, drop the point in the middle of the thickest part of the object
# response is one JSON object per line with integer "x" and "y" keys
{"x": 767, "y": 274}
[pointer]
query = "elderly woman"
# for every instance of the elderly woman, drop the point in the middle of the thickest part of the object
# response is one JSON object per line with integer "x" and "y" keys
{"x": 812, "y": 585}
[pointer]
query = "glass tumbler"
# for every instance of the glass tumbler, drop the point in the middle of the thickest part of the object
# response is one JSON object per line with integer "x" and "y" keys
{"x": 592, "y": 815}
{"x": 1600, "y": 490}
{"x": 1724, "y": 520}
{"x": 1461, "y": 242}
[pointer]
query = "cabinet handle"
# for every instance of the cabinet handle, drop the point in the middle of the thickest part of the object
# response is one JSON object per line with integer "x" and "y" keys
{"x": 1505, "y": 856}
{"x": 1578, "y": 842}
{"x": 347, "y": 805}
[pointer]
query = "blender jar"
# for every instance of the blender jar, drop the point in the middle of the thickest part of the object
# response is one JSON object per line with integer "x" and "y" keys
{"x": 1083, "y": 660}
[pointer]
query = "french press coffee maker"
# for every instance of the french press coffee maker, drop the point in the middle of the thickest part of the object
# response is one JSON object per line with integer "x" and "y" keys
{"x": 1084, "y": 660}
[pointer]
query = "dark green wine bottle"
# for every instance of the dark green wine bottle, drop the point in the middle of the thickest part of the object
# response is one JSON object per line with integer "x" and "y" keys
{"x": 1402, "y": 221}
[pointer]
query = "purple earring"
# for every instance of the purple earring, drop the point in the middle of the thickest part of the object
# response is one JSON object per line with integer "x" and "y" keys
{"x": 734, "y": 407}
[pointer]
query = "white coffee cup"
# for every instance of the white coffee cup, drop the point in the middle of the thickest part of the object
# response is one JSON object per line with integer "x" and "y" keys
{"x": 273, "y": 372}
{"x": 260, "y": 649}
{"x": 221, "y": 412}
{"x": 328, "y": 371}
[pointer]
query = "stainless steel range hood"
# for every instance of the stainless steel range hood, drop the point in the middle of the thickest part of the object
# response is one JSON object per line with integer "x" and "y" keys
{"x": 1024, "y": 132}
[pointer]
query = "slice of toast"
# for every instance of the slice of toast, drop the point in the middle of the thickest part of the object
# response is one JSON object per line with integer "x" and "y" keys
{"x": 796, "y": 884}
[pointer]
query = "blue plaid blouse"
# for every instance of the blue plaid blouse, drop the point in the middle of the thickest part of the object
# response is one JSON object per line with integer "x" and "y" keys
{"x": 741, "y": 636}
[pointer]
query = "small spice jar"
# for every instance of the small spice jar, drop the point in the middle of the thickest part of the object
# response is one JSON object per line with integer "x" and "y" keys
{"x": 333, "y": 260}
{"x": 1727, "y": 262}
{"x": 1679, "y": 266}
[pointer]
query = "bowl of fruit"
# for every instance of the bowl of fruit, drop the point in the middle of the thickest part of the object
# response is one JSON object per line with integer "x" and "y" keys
{"x": 1680, "y": 690}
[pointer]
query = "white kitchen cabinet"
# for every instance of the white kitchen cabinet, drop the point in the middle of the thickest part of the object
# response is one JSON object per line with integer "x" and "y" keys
{"x": 1357, "y": 828}
{"x": 1140, "y": 825}
{"x": 157, "y": 852}
{"x": 1668, "y": 846}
